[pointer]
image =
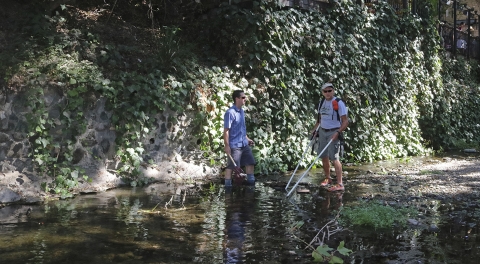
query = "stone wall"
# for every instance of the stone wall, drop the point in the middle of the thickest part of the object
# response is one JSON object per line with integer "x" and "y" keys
{"x": 172, "y": 146}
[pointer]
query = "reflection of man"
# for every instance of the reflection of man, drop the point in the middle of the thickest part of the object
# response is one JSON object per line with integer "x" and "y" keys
{"x": 239, "y": 209}
{"x": 327, "y": 202}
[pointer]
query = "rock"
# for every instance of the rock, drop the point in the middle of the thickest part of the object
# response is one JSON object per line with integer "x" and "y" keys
{"x": 433, "y": 228}
{"x": 413, "y": 222}
{"x": 9, "y": 196}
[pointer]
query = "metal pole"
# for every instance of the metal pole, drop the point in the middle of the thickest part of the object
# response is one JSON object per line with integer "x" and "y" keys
{"x": 468, "y": 34}
{"x": 312, "y": 139}
{"x": 454, "y": 45}
{"x": 308, "y": 169}
{"x": 478, "y": 37}
{"x": 440, "y": 19}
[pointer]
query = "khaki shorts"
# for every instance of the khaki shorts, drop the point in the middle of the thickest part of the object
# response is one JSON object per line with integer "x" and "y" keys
{"x": 333, "y": 150}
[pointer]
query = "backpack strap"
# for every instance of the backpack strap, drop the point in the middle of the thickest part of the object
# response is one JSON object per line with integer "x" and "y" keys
{"x": 318, "y": 110}
{"x": 338, "y": 115}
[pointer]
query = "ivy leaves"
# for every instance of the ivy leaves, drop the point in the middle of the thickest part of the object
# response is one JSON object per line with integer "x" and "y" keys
{"x": 384, "y": 65}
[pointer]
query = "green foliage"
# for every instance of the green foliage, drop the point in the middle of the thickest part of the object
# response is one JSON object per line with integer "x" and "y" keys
{"x": 325, "y": 253}
{"x": 403, "y": 97}
{"x": 374, "y": 61}
{"x": 173, "y": 54}
{"x": 374, "y": 214}
{"x": 450, "y": 122}
{"x": 52, "y": 156}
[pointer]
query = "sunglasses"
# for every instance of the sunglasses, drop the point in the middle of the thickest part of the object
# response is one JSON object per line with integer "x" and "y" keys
{"x": 327, "y": 91}
{"x": 243, "y": 97}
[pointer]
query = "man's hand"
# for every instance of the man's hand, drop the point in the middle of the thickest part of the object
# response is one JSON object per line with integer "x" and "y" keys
{"x": 335, "y": 136}
{"x": 227, "y": 150}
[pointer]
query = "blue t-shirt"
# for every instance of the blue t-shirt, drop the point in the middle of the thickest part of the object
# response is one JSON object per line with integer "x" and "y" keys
{"x": 234, "y": 120}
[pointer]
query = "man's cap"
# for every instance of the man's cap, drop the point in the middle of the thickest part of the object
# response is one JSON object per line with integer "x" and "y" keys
{"x": 327, "y": 85}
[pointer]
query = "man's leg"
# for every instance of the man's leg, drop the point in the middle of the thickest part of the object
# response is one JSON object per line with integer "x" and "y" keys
{"x": 249, "y": 169}
{"x": 326, "y": 170}
{"x": 247, "y": 158}
{"x": 326, "y": 167}
{"x": 338, "y": 171}
{"x": 228, "y": 177}
{"x": 323, "y": 141}
{"x": 334, "y": 156}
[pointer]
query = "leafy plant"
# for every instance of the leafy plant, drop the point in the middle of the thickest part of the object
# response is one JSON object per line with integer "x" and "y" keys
{"x": 376, "y": 215}
{"x": 325, "y": 253}
{"x": 51, "y": 158}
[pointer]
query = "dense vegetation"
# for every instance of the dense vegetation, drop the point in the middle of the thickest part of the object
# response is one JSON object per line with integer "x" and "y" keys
{"x": 404, "y": 96}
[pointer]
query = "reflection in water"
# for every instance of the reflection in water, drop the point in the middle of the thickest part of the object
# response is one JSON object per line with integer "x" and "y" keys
{"x": 39, "y": 248}
{"x": 240, "y": 206}
{"x": 246, "y": 225}
{"x": 332, "y": 197}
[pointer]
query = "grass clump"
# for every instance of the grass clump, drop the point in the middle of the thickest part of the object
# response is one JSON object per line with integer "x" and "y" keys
{"x": 375, "y": 214}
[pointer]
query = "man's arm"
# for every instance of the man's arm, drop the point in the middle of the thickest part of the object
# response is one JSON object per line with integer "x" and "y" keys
{"x": 315, "y": 128}
{"x": 317, "y": 117}
{"x": 226, "y": 142}
{"x": 250, "y": 141}
{"x": 344, "y": 123}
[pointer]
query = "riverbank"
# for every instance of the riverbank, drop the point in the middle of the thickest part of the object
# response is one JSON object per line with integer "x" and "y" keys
{"x": 456, "y": 176}
{"x": 26, "y": 188}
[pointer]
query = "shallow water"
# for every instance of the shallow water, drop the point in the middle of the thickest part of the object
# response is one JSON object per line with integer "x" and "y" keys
{"x": 212, "y": 225}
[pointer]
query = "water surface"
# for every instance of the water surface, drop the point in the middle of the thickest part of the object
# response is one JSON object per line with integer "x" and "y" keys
{"x": 208, "y": 224}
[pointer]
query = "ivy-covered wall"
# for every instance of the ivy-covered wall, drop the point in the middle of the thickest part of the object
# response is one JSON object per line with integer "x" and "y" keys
{"x": 374, "y": 58}
{"x": 387, "y": 65}
{"x": 403, "y": 96}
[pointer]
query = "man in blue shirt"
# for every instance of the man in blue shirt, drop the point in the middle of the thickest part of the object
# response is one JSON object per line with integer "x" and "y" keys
{"x": 237, "y": 143}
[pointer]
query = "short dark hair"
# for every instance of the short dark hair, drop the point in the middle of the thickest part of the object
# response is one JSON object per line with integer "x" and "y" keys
{"x": 236, "y": 94}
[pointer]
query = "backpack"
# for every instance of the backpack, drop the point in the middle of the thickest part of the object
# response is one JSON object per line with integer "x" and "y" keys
{"x": 335, "y": 107}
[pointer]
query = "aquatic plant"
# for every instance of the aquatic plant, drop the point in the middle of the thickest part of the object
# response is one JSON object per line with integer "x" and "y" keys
{"x": 324, "y": 252}
{"x": 375, "y": 214}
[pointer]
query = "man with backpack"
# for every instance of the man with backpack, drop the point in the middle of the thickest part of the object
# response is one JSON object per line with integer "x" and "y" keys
{"x": 332, "y": 119}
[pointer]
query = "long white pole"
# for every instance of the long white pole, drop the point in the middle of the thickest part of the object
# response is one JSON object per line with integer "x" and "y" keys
{"x": 311, "y": 165}
{"x": 304, "y": 152}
